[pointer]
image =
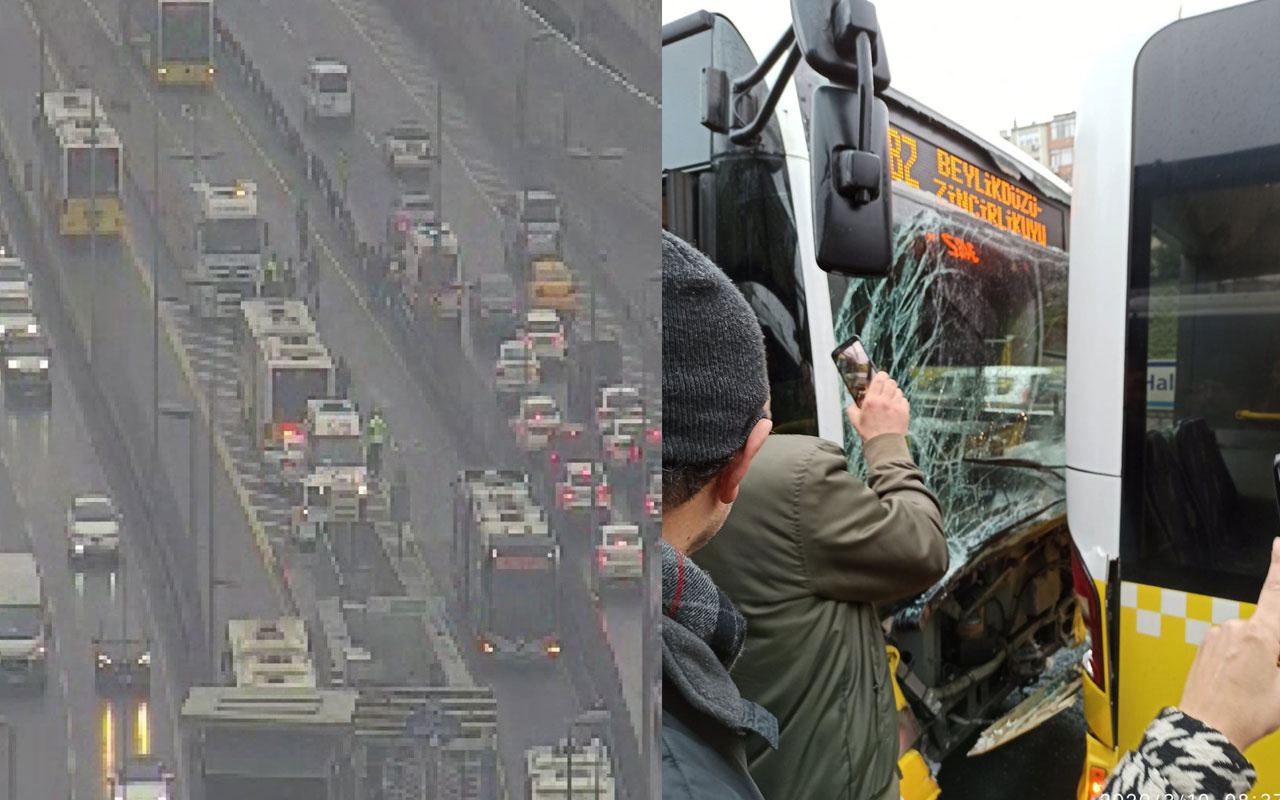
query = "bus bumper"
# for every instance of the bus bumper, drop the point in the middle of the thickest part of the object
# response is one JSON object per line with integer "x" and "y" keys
{"x": 74, "y": 220}
{"x": 184, "y": 74}
{"x": 1099, "y": 760}
{"x": 917, "y": 781}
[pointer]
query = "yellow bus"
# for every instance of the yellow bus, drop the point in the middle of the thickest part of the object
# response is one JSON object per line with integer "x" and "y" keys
{"x": 1173, "y": 386}
{"x": 83, "y": 164}
{"x": 173, "y": 38}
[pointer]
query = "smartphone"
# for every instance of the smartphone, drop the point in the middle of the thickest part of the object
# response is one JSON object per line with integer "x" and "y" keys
{"x": 855, "y": 366}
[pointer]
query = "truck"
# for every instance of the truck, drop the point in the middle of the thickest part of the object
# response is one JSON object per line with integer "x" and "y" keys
{"x": 283, "y": 365}
{"x": 540, "y": 225}
{"x": 172, "y": 38}
{"x": 25, "y": 635}
{"x": 219, "y": 240}
{"x": 508, "y": 566}
{"x": 433, "y": 269}
{"x": 569, "y": 772}
{"x": 337, "y": 485}
{"x": 326, "y": 90}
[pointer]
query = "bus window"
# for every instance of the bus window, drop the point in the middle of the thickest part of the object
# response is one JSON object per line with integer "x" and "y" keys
{"x": 971, "y": 323}
{"x": 738, "y": 210}
{"x": 1202, "y": 410}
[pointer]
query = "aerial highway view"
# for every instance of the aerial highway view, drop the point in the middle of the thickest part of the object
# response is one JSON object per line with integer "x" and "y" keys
{"x": 329, "y": 355}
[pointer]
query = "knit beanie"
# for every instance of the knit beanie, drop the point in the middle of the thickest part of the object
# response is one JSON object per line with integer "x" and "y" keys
{"x": 714, "y": 380}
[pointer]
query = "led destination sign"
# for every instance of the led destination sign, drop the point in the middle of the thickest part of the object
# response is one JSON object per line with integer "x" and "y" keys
{"x": 956, "y": 181}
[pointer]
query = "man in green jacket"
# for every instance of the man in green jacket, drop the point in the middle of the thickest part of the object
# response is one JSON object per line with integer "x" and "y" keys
{"x": 806, "y": 553}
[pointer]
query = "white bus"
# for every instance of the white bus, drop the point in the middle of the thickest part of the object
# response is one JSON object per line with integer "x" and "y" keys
{"x": 1174, "y": 405}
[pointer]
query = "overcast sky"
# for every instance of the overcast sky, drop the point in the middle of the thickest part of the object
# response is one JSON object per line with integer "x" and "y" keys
{"x": 984, "y": 63}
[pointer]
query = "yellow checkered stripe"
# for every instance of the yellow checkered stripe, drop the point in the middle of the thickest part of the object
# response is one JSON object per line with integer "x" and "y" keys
{"x": 1168, "y": 613}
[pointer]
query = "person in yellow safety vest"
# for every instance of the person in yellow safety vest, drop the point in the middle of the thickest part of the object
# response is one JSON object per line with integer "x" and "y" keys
{"x": 377, "y": 435}
{"x": 271, "y": 276}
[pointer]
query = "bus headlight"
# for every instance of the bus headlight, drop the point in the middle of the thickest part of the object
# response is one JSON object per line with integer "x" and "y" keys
{"x": 13, "y": 363}
{"x": 144, "y": 660}
{"x": 363, "y": 489}
{"x": 104, "y": 660}
{"x": 162, "y": 71}
{"x": 44, "y": 363}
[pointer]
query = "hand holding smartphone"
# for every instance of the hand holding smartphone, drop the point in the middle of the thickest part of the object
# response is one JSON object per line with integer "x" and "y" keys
{"x": 855, "y": 366}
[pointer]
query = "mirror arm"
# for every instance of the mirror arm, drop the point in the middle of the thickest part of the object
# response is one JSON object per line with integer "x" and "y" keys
{"x": 866, "y": 89}
{"x": 753, "y": 77}
{"x": 749, "y": 133}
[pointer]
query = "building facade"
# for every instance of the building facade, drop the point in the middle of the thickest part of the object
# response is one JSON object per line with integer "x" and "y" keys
{"x": 1051, "y": 143}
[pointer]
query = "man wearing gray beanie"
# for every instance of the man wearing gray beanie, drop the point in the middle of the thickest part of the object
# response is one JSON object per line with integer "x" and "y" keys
{"x": 715, "y": 395}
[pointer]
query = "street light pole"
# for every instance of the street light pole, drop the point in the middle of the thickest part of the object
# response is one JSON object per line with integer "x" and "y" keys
{"x": 93, "y": 218}
{"x": 186, "y": 414}
{"x": 212, "y": 621}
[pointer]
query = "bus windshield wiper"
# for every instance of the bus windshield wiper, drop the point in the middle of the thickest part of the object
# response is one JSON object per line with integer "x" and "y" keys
{"x": 1023, "y": 463}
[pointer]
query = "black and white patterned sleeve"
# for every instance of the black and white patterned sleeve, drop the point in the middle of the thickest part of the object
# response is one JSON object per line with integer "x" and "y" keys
{"x": 1182, "y": 757}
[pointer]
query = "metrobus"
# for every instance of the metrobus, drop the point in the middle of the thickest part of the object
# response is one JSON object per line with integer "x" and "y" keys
{"x": 1174, "y": 415}
{"x": 82, "y": 164}
{"x": 174, "y": 39}
{"x": 971, "y": 322}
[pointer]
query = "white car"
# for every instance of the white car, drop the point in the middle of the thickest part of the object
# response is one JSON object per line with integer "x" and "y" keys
{"x": 585, "y": 487}
{"x": 93, "y": 528}
{"x": 407, "y": 146}
{"x": 544, "y": 332}
{"x": 327, "y": 90}
{"x": 623, "y": 440}
{"x": 620, "y": 554}
{"x": 616, "y": 401}
{"x": 538, "y": 422}
{"x": 518, "y": 368}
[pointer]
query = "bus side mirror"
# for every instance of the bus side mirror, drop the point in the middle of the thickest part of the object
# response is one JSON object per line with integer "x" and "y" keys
{"x": 852, "y": 206}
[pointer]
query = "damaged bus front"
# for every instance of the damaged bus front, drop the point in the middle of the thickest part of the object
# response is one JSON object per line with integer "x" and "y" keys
{"x": 968, "y": 314}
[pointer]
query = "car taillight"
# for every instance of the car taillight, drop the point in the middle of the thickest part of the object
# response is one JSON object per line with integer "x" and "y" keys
{"x": 633, "y": 454}
{"x": 537, "y": 418}
{"x": 1091, "y": 613}
{"x": 601, "y": 558}
{"x": 602, "y": 492}
{"x": 567, "y": 494}
{"x": 402, "y": 225}
{"x": 555, "y": 457}
{"x": 654, "y": 435}
{"x": 648, "y": 505}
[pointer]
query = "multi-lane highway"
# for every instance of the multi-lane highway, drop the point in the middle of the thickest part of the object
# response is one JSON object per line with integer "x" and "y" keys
{"x": 107, "y": 298}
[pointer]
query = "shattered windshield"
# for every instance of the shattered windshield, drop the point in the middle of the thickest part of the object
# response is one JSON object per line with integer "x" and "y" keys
{"x": 972, "y": 324}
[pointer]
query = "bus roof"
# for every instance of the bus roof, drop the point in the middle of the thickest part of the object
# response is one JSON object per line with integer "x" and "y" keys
{"x": 761, "y": 28}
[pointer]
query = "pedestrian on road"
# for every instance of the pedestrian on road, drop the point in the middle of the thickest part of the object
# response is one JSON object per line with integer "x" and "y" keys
{"x": 1230, "y": 702}
{"x": 377, "y": 436}
{"x": 272, "y": 276}
{"x": 342, "y": 378}
{"x": 715, "y": 395}
{"x": 807, "y": 553}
